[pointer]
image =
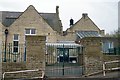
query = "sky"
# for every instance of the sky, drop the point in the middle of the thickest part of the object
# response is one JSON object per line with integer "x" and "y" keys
{"x": 104, "y": 13}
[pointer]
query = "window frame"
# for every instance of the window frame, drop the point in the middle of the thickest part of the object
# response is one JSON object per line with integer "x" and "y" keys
{"x": 30, "y": 31}
{"x": 109, "y": 44}
{"x": 14, "y": 45}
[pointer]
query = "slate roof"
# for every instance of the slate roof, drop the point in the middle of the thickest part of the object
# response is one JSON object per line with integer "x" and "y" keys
{"x": 8, "y": 17}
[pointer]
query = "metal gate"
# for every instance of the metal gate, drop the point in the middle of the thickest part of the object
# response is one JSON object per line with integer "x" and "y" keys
{"x": 63, "y": 60}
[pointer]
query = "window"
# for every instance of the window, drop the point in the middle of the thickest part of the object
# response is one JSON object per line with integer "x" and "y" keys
{"x": 16, "y": 37}
{"x": 107, "y": 47}
{"x": 15, "y": 43}
{"x": 30, "y": 31}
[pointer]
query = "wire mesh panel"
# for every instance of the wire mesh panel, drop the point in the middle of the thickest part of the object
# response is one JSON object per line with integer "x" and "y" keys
{"x": 63, "y": 60}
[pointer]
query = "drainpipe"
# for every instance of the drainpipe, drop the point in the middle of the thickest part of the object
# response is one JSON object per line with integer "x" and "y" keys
{"x": 6, "y": 34}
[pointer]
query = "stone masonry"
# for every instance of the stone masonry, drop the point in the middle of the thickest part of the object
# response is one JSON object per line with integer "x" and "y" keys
{"x": 30, "y": 19}
{"x": 85, "y": 24}
{"x": 0, "y": 50}
{"x": 35, "y": 53}
{"x": 92, "y": 55}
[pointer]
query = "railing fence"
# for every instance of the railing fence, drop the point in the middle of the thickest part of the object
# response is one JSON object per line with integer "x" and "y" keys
{"x": 8, "y": 54}
{"x": 26, "y": 71}
{"x": 115, "y": 67}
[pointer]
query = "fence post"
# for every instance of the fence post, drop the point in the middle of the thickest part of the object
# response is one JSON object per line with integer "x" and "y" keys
{"x": 9, "y": 52}
{"x": 103, "y": 69}
{"x": 63, "y": 58}
{"x": 25, "y": 53}
{"x": 83, "y": 66}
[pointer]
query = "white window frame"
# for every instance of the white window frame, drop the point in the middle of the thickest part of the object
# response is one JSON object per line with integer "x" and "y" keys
{"x": 30, "y": 31}
{"x": 17, "y": 40}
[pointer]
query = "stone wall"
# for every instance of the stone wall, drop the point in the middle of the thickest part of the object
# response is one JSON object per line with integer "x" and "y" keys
{"x": 111, "y": 57}
{"x": 11, "y": 66}
{"x": 68, "y": 37}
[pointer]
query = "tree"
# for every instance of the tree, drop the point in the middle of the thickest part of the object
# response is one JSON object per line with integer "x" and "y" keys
{"x": 116, "y": 34}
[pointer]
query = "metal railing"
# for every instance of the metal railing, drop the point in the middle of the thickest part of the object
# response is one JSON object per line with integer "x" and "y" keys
{"x": 110, "y": 69}
{"x": 22, "y": 71}
{"x": 8, "y": 54}
{"x": 113, "y": 51}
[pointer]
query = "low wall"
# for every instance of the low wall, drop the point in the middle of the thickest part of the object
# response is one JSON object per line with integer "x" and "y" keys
{"x": 11, "y": 66}
{"x": 111, "y": 57}
{"x": 108, "y": 58}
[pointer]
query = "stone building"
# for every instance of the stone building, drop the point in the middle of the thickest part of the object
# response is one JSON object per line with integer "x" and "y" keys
{"x": 31, "y": 22}
{"x": 18, "y": 25}
{"x": 84, "y": 25}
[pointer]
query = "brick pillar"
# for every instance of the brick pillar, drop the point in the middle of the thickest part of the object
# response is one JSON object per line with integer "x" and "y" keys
{"x": 92, "y": 55}
{"x": 35, "y": 50}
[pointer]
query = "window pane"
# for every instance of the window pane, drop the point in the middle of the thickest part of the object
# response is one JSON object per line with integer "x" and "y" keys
{"x": 108, "y": 47}
{"x": 27, "y": 31}
{"x": 15, "y": 36}
{"x": 15, "y": 43}
{"x": 105, "y": 47}
{"x": 15, "y": 49}
{"x": 32, "y": 31}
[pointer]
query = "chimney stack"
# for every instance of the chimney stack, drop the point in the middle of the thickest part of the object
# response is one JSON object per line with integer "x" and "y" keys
{"x": 57, "y": 9}
{"x": 71, "y": 22}
{"x": 84, "y": 15}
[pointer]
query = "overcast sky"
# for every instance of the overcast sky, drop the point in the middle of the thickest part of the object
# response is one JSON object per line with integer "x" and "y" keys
{"x": 104, "y": 13}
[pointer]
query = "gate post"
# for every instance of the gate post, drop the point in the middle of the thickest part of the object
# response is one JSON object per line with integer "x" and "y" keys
{"x": 92, "y": 55}
{"x": 35, "y": 49}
